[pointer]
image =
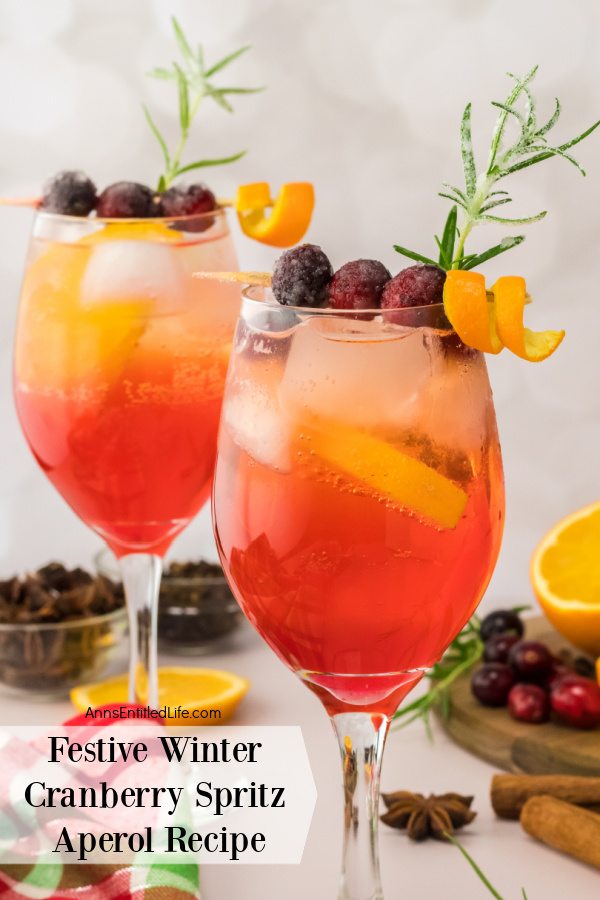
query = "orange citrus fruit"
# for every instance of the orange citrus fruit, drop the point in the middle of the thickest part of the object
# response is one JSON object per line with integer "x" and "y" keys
{"x": 565, "y": 574}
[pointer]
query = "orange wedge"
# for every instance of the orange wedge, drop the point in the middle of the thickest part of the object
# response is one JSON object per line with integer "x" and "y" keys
{"x": 469, "y": 312}
{"x": 195, "y": 690}
{"x": 380, "y": 466}
{"x": 289, "y": 216}
{"x": 565, "y": 574}
{"x": 509, "y": 302}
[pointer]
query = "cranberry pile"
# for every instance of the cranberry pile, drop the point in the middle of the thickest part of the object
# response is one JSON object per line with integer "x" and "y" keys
{"x": 527, "y": 678}
{"x": 303, "y": 276}
{"x": 74, "y": 194}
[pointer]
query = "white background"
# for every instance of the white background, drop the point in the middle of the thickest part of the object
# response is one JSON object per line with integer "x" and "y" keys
{"x": 364, "y": 99}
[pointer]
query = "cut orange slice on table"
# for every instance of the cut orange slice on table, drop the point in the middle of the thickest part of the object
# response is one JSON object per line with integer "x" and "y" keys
{"x": 470, "y": 313}
{"x": 192, "y": 689}
{"x": 288, "y": 216}
{"x": 565, "y": 574}
{"x": 510, "y": 297}
{"x": 380, "y": 466}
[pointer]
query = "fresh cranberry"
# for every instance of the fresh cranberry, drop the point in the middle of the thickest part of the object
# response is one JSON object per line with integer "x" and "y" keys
{"x": 501, "y": 621}
{"x": 497, "y": 647}
{"x": 576, "y": 701}
{"x": 190, "y": 200}
{"x": 301, "y": 276}
{"x": 128, "y": 200}
{"x": 559, "y": 670}
{"x": 529, "y": 703}
{"x": 358, "y": 285}
{"x": 491, "y": 683}
{"x": 420, "y": 285}
{"x": 69, "y": 193}
{"x": 531, "y": 660}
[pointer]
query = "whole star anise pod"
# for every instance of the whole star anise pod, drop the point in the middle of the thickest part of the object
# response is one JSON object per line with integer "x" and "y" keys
{"x": 425, "y": 817}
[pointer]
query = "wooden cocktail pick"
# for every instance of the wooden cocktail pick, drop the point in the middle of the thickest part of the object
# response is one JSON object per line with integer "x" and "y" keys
{"x": 259, "y": 279}
{"x": 33, "y": 202}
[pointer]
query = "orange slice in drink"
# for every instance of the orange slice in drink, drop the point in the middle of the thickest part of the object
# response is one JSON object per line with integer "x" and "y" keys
{"x": 565, "y": 574}
{"x": 188, "y": 688}
{"x": 399, "y": 477}
{"x": 510, "y": 297}
{"x": 469, "y": 312}
{"x": 289, "y": 216}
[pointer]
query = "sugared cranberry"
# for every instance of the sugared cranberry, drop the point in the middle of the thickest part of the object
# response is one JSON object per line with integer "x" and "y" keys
{"x": 189, "y": 200}
{"x": 497, "y": 647}
{"x": 128, "y": 200}
{"x": 69, "y": 193}
{"x": 491, "y": 683}
{"x": 576, "y": 701}
{"x": 358, "y": 285}
{"x": 502, "y": 621}
{"x": 301, "y": 276}
{"x": 529, "y": 703}
{"x": 531, "y": 660}
{"x": 419, "y": 285}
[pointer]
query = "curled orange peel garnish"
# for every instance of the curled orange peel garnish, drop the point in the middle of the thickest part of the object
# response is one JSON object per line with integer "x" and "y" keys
{"x": 470, "y": 313}
{"x": 281, "y": 222}
{"x": 510, "y": 297}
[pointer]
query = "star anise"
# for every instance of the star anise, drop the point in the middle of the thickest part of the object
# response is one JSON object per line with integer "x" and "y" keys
{"x": 425, "y": 817}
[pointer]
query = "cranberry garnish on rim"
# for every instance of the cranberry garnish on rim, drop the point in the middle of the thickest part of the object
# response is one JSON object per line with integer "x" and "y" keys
{"x": 189, "y": 200}
{"x": 358, "y": 285}
{"x": 128, "y": 200}
{"x": 301, "y": 276}
{"x": 70, "y": 194}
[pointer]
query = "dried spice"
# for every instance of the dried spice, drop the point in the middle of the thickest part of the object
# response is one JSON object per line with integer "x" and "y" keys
{"x": 423, "y": 817}
{"x": 196, "y": 605}
{"x": 52, "y": 630}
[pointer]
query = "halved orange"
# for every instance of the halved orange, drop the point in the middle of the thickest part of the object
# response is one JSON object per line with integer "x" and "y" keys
{"x": 565, "y": 574}
{"x": 189, "y": 688}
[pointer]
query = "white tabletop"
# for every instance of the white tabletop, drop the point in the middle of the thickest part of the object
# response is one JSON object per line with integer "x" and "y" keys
{"x": 411, "y": 871}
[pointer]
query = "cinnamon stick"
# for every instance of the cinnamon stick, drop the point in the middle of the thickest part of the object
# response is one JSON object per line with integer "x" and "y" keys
{"x": 510, "y": 792}
{"x": 565, "y": 827}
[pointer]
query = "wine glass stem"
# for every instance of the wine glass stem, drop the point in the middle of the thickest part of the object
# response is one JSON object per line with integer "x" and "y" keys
{"x": 141, "y": 579}
{"x": 361, "y": 738}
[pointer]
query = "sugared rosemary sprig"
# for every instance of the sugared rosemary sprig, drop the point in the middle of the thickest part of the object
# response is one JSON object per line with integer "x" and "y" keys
{"x": 194, "y": 83}
{"x": 480, "y": 196}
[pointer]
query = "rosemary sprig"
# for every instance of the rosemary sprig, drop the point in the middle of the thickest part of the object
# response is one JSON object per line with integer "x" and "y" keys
{"x": 480, "y": 196}
{"x": 194, "y": 83}
{"x": 492, "y": 890}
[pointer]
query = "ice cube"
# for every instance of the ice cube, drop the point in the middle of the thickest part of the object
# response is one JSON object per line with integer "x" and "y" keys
{"x": 257, "y": 425}
{"x": 132, "y": 270}
{"x": 356, "y": 372}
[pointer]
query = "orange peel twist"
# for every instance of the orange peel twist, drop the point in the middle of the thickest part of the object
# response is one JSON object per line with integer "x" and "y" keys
{"x": 289, "y": 213}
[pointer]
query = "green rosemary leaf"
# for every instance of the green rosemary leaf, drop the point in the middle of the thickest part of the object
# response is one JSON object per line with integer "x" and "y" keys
{"x": 449, "y": 238}
{"x": 473, "y": 865}
{"x": 466, "y": 149}
{"x": 184, "y": 99}
{"x": 445, "y": 705}
{"x": 203, "y": 163}
{"x": 524, "y": 894}
{"x": 418, "y": 257}
{"x": 184, "y": 47}
{"x": 225, "y": 61}
{"x": 507, "y": 244}
{"x": 551, "y": 151}
{"x": 551, "y": 121}
{"x": 158, "y": 136}
{"x": 219, "y": 99}
{"x": 526, "y": 220}
{"x": 162, "y": 184}
{"x": 530, "y": 112}
{"x": 456, "y": 190}
{"x": 493, "y": 203}
{"x": 228, "y": 90}
{"x": 511, "y": 111}
{"x": 454, "y": 199}
{"x": 501, "y": 121}
{"x": 164, "y": 74}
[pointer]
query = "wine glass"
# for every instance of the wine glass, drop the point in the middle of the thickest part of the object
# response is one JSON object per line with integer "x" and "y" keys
{"x": 358, "y": 509}
{"x": 120, "y": 364}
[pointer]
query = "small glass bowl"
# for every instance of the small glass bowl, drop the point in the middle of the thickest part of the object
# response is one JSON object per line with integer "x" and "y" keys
{"x": 196, "y": 613}
{"x": 46, "y": 660}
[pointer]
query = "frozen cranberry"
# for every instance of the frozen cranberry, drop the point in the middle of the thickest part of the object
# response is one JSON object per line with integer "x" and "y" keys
{"x": 531, "y": 660}
{"x": 301, "y": 276}
{"x": 358, "y": 285}
{"x": 128, "y": 200}
{"x": 529, "y": 703}
{"x": 69, "y": 193}
{"x": 576, "y": 701}
{"x": 189, "y": 200}
{"x": 502, "y": 621}
{"x": 491, "y": 683}
{"x": 497, "y": 647}
{"x": 419, "y": 285}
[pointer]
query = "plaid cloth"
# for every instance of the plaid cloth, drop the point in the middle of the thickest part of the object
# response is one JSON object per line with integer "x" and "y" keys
{"x": 161, "y": 881}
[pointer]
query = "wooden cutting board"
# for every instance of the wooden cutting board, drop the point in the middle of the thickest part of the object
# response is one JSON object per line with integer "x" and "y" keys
{"x": 493, "y": 735}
